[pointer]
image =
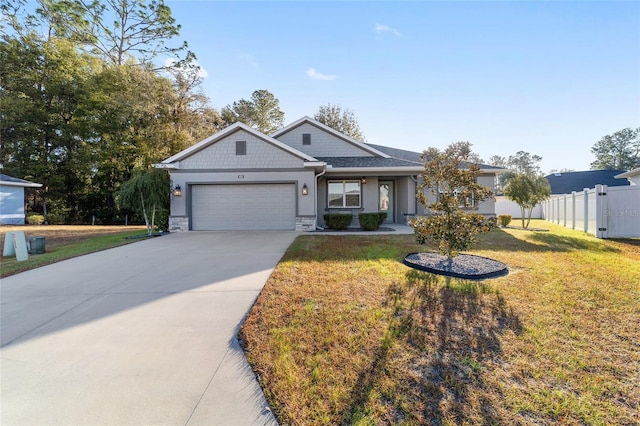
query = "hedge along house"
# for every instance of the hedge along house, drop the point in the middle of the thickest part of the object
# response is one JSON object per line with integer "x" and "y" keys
{"x": 12, "y": 199}
{"x": 242, "y": 179}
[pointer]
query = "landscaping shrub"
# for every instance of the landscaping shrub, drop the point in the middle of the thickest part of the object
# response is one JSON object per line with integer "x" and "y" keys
{"x": 382, "y": 216}
{"x": 452, "y": 180}
{"x": 35, "y": 219}
{"x": 162, "y": 220}
{"x": 338, "y": 221}
{"x": 55, "y": 219}
{"x": 504, "y": 219}
{"x": 453, "y": 232}
{"x": 371, "y": 221}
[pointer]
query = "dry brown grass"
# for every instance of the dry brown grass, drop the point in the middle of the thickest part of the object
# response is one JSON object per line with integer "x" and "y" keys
{"x": 64, "y": 242}
{"x": 344, "y": 333}
{"x": 63, "y": 234}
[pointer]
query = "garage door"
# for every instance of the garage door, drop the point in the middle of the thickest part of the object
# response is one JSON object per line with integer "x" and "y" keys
{"x": 243, "y": 207}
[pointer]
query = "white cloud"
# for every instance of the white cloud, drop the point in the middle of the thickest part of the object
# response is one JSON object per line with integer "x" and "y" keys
{"x": 314, "y": 74}
{"x": 169, "y": 62}
{"x": 382, "y": 28}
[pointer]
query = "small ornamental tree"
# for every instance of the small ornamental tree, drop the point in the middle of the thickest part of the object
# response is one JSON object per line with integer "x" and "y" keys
{"x": 147, "y": 191}
{"x": 453, "y": 183}
{"x": 527, "y": 191}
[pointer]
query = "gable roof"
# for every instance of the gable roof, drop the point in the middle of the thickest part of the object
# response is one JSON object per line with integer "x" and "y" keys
{"x": 229, "y": 131}
{"x": 630, "y": 173}
{"x": 566, "y": 183}
{"x": 308, "y": 120}
{"x": 12, "y": 181}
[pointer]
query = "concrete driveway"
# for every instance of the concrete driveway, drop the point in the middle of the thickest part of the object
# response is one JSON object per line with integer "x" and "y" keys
{"x": 141, "y": 334}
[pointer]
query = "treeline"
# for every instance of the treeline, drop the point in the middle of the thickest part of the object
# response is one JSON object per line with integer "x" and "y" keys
{"x": 83, "y": 102}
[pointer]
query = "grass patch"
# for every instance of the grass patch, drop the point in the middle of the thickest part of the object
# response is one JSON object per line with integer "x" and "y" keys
{"x": 84, "y": 244}
{"x": 343, "y": 333}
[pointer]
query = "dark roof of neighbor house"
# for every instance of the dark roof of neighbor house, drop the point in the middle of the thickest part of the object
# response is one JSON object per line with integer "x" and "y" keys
{"x": 13, "y": 181}
{"x": 567, "y": 182}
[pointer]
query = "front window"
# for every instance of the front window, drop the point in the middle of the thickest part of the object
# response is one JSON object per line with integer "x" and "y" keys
{"x": 344, "y": 193}
{"x": 465, "y": 199}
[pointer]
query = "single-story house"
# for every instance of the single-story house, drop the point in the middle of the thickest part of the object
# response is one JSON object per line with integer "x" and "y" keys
{"x": 633, "y": 176}
{"x": 12, "y": 199}
{"x": 242, "y": 179}
{"x": 567, "y": 182}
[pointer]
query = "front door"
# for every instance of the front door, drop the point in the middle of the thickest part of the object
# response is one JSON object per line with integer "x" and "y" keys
{"x": 386, "y": 201}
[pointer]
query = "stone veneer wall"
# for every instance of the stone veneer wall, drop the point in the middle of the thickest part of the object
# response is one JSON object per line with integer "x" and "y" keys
{"x": 305, "y": 223}
{"x": 178, "y": 223}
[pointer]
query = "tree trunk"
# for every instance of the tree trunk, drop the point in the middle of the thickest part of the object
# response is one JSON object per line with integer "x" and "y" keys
{"x": 144, "y": 213}
{"x": 153, "y": 219}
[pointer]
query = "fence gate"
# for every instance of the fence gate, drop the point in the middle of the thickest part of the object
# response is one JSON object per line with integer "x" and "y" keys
{"x": 606, "y": 212}
{"x": 620, "y": 211}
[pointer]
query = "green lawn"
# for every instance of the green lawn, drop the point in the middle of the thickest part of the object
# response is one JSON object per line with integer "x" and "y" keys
{"x": 10, "y": 265}
{"x": 344, "y": 333}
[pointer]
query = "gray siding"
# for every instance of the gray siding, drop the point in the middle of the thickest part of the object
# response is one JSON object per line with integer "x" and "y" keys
{"x": 222, "y": 155}
{"x": 12, "y": 203}
{"x": 323, "y": 144}
{"x": 487, "y": 207}
{"x": 405, "y": 198}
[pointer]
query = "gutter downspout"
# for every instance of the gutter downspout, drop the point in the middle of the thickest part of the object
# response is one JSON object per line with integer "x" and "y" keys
{"x": 315, "y": 194}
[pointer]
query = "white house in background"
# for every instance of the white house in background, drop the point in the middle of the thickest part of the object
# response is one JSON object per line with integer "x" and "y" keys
{"x": 12, "y": 199}
{"x": 633, "y": 176}
{"x": 242, "y": 179}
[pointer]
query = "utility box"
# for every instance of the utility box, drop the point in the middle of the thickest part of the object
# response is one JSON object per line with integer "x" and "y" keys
{"x": 36, "y": 245}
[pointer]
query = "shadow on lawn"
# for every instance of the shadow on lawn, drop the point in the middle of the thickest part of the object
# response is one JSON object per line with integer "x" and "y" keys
{"x": 441, "y": 343}
{"x": 499, "y": 240}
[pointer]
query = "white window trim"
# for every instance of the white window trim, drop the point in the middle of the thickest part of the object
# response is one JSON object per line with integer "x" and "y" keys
{"x": 456, "y": 194}
{"x": 344, "y": 194}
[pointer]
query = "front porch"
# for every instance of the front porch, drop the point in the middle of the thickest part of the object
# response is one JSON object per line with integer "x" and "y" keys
{"x": 394, "y": 195}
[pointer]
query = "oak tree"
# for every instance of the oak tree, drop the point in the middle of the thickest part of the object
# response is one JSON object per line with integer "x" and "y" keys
{"x": 342, "y": 120}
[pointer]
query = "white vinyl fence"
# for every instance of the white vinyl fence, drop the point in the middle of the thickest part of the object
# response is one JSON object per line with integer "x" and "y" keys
{"x": 507, "y": 206}
{"x": 606, "y": 212}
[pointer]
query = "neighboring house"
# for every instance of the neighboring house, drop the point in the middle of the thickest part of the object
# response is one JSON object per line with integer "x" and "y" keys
{"x": 12, "y": 199}
{"x": 567, "y": 182}
{"x": 633, "y": 176}
{"x": 242, "y": 179}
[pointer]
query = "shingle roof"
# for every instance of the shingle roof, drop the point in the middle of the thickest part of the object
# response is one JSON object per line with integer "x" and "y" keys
{"x": 415, "y": 156}
{"x": 566, "y": 183}
{"x": 367, "y": 162}
{"x": 399, "y": 153}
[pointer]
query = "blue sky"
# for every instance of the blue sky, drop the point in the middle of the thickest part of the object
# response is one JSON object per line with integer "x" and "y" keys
{"x": 550, "y": 78}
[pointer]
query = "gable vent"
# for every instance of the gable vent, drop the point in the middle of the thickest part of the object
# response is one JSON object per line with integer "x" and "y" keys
{"x": 241, "y": 147}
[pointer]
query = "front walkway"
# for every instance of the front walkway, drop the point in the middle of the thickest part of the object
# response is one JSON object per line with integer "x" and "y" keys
{"x": 396, "y": 230}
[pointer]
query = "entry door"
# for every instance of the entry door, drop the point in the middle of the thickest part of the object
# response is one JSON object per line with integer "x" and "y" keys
{"x": 386, "y": 201}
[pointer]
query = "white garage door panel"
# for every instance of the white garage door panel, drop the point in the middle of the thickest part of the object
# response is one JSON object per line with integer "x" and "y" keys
{"x": 243, "y": 207}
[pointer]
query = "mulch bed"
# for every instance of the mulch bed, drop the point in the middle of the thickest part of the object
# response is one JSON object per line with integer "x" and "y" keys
{"x": 467, "y": 266}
